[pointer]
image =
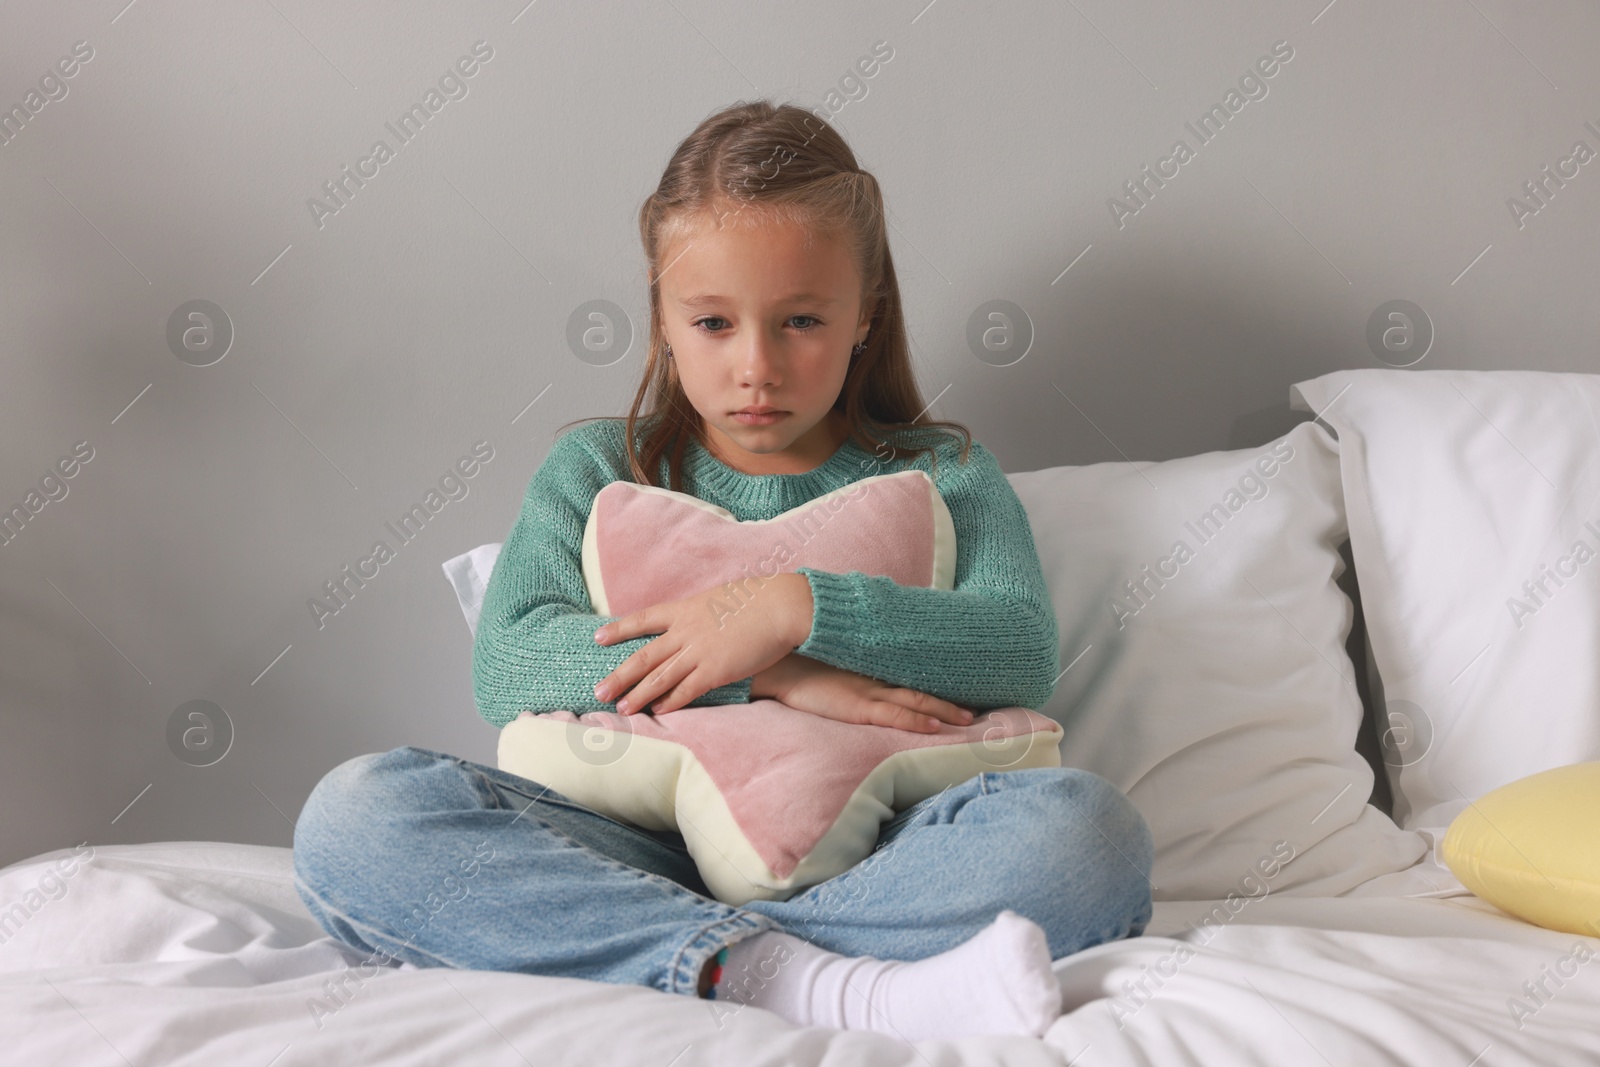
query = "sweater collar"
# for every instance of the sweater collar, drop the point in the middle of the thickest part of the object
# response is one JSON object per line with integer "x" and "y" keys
{"x": 720, "y": 480}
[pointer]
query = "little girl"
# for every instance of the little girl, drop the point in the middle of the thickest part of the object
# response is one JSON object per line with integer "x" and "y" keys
{"x": 778, "y": 370}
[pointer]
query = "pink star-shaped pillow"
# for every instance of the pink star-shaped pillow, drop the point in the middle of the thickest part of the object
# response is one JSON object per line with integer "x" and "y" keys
{"x": 769, "y": 799}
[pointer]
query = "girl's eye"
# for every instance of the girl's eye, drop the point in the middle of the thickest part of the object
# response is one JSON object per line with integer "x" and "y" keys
{"x": 814, "y": 322}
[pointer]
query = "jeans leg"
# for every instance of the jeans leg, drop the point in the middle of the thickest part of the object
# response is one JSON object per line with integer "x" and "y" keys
{"x": 1059, "y": 845}
{"x": 425, "y": 857}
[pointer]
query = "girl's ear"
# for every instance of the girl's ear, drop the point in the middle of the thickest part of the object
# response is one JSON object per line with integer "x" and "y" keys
{"x": 864, "y": 327}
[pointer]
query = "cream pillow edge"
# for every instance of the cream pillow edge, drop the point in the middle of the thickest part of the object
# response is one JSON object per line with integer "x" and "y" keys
{"x": 540, "y": 749}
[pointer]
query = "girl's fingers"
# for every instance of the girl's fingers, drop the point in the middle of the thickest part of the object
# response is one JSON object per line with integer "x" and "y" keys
{"x": 626, "y": 627}
{"x": 658, "y": 681}
{"x": 901, "y": 717}
{"x": 927, "y": 704}
{"x": 682, "y": 694}
{"x": 631, "y": 673}
{"x": 624, "y": 678}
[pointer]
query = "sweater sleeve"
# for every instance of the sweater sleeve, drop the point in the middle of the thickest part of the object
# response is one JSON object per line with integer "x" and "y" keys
{"x": 534, "y": 648}
{"x": 990, "y": 642}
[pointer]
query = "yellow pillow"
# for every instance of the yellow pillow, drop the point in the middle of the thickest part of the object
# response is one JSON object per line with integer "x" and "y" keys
{"x": 1532, "y": 848}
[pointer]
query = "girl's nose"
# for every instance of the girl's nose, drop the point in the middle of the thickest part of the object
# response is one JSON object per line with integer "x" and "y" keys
{"x": 759, "y": 364}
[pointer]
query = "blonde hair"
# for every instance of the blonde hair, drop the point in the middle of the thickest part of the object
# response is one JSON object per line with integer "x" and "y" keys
{"x": 779, "y": 162}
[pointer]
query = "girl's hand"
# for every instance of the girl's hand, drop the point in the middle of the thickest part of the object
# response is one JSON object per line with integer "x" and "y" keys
{"x": 707, "y": 640}
{"x": 806, "y": 684}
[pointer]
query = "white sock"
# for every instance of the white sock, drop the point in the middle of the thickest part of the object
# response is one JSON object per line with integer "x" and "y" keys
{"x": 997, "y": 982}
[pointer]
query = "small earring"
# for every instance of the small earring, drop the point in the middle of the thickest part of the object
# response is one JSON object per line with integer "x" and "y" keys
{"x": 858, "y": 349}
{"x": 669, "y": 351}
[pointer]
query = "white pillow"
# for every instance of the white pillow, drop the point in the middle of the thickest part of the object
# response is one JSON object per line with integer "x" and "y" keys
{"x": 1222, "y": 701}
{"x": 469, "y": 577}
{"x": 1462, "y": 486}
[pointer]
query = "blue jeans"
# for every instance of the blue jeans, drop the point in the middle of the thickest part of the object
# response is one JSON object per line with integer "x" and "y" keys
{"x": 416, "y": 855}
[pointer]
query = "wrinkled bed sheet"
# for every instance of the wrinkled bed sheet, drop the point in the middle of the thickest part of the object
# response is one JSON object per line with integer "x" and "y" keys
{"x": 201, "y": 953}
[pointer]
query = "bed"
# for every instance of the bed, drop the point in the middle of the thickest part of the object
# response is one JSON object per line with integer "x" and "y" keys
{"x": 200, "y": 953}
{"x": 1244, "y": 701}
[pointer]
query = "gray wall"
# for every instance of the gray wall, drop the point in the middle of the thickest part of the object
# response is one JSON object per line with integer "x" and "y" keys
{"x": 374, "y": 347}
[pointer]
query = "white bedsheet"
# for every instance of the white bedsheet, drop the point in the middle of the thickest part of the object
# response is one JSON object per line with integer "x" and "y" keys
{"x": 200, "y": 953}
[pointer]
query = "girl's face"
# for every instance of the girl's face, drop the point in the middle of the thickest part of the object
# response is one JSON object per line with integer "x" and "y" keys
{"x": 764, "y": 315}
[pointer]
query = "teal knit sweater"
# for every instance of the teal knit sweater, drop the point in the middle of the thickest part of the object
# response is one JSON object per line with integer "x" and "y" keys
{"x": 990, "y": 642}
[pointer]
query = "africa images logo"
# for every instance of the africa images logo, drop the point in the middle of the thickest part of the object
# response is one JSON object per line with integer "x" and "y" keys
{"x": 452, "y": 86}
{"x": 1139, "y": 591}
{"x": 1211, "y": 123}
